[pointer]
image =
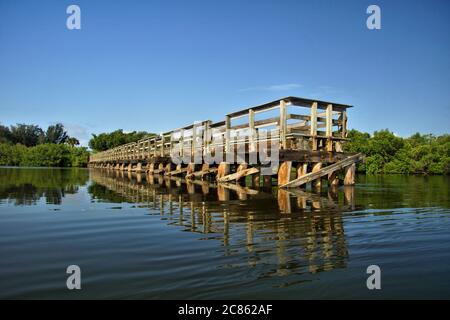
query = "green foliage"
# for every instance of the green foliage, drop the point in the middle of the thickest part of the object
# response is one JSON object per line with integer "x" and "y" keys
{"x": 105, "y": 141}
{"x": 56, "y": 134}
{"x": 43, "y": 155}
{"x": 11, "y": 155}
{"x": 26, "y": 134}
{"x": 32, "y": 135}
{"x": 387, "y": 153}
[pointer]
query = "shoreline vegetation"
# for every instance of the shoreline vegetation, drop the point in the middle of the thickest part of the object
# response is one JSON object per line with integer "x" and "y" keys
{"x": 386, "y": 153}
{"x": 31, "y": 146}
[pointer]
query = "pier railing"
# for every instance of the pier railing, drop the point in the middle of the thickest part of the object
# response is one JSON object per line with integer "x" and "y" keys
{"x": 294, "y": 123}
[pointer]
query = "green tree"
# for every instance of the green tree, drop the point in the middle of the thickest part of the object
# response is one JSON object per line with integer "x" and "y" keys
{"x": 5, "y": 134}
{"x": 28, "y": 135}
{"x": 56, "y": 134}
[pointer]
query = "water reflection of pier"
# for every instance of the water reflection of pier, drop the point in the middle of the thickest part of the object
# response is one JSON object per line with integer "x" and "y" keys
{"x": 311, "y": 238}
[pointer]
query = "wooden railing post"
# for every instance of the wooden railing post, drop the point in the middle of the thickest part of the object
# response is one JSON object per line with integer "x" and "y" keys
{"x": 283, "y": 124}
{"x": 206, "y": 136}
{"x": 251, "y": 126}
{"x": 181, "y": 143}
{"x": 344, "y": 124}
{"x": 329, "y": 127}
{"x": 227, "y": 133}
{"x": 194, "y": 142}
{"x": 314, "y": 125}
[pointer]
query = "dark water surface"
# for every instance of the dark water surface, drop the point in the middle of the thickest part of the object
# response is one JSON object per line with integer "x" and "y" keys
{"x": 163, "y": 238}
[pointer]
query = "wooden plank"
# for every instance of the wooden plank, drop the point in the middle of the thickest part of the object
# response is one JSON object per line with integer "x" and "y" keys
{"x": 313, "y": 156}
{"x": 325, "y": 171}
{"x": 177, "y": 172}
{"x": 198, "y": 174}
{"x": 238, "y": 175}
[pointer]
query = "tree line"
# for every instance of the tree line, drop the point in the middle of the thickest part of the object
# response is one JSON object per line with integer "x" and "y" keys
{"x": 387, "y": 153}
{"x": 105, "y": 141}
{"x": 31, "y": 135}
{"x": 30, "y": 145}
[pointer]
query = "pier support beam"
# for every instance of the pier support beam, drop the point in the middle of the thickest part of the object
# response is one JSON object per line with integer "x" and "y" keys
{"x": 317, "y": 183}
{"x": 223, "y": 170}
{"x": 302, "y": 169}
{"x": 349, "y": 178}
{"x": 333, "y": 180}
{"x": 284, "y": 172}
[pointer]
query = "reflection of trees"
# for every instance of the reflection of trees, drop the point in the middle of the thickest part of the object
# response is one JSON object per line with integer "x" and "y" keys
{"x": 25, "y": 186}
{"x": 248, "y": 222}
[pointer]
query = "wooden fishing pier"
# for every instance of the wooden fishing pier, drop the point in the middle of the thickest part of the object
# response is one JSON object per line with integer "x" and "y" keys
{"x": 306, "y": 136}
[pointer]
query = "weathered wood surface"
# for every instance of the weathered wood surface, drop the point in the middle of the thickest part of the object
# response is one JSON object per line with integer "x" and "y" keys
{"x": 238, "y": 175}
{"x": 323, "y": 172}
{"x": 302, "y": 132}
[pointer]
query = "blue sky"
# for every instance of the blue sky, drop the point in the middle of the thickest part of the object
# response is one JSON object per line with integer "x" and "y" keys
{"x": 158, "y": 65}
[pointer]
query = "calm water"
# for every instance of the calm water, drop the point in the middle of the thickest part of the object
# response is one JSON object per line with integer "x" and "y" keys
{"x": 163, "y": 238}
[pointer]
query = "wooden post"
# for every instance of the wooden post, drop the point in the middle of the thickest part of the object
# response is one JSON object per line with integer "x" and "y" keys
{"x": 206, "y": 136}
{"x": 314, "y": 125}
{"x": 344, "y": 124}
{"x": 284, "y": 172}
{"x": 333, "y": 180}
{"x": 139, "y": 167}
{"x": 223, "y": 170}
{"x": 168, "y": 168}
{"x": 316, "y": 167}
{"x": 162, "y": 145}
{"x": 240, "y": 168}
{"x": 194, "y": 142}
{"x": 190, "y": 168}
{"x": 227, "y": 134}
{"x": 329, "y": 127}
{"x": 302, "y": 169}
{"x": 283, "y": 124}
{"x": 251, "y": 126}
{"x": 181, "y": 142}
{"x": 130, "y": 166}
{"x": 349, "y": 178}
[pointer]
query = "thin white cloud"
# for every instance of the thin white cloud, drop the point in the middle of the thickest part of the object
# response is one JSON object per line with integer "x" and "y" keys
{"x": 275, "y": 87}
{"x": 79, "y": 132}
